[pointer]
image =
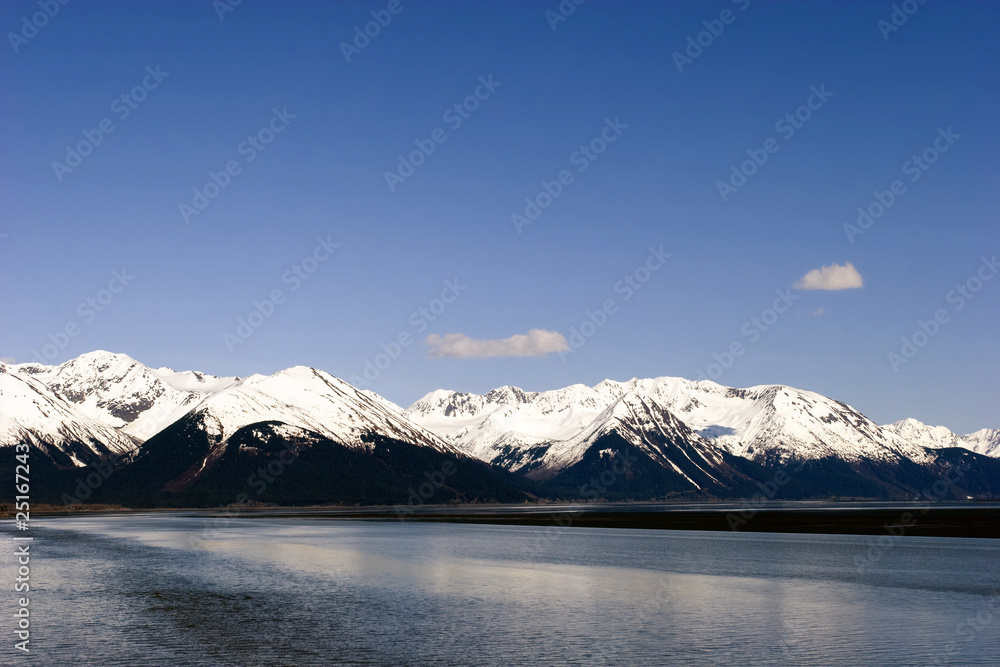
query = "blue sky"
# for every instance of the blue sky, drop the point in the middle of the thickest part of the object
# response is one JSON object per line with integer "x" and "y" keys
{"x": 270, "y": 81}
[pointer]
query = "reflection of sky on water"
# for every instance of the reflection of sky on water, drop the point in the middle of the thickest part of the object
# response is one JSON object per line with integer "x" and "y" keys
{"x": 181, "y": 590}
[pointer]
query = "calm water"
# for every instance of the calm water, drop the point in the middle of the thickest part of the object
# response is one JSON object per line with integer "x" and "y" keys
{"x": 173, "y": 590}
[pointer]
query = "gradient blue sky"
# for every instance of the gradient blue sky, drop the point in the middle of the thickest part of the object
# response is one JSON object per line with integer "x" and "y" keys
{"x": 323, "y": 175}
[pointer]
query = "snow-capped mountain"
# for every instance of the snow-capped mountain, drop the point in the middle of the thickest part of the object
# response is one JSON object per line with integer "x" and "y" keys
{"x": 198, "y": 436}
{"x": 190, "y": 438}
{"x": 298, "y": 407}
{"x": 30, "y": 413}
{"x": 506, "y": 421}
{"x": 698, "y": 438}
{"x": 314, "y": 401}
{"x": 543, "y": 434}
{"x": 652, "y": 432}
{"x": 776, "y": 423}
{"x": 118, "y": 391}
{"x": 114, "y": 403}
{"x": 769, "y": 423}
{"x": 984, "y": 441}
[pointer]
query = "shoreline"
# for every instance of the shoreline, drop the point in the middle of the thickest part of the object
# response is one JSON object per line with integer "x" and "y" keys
{"x": 976, "y": 520}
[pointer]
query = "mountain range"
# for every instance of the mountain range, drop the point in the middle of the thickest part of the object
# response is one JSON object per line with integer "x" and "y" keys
{"x": 105, "y": 428}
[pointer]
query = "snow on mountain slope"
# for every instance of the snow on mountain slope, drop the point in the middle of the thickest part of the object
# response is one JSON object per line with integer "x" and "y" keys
{"x": 116, "y": 390}
{"x": 108, "y": 398}
{"x": 33, "y": 414}
{"x": 770, "y": 423}
{"x": 507, "y": 417}
{"x": 776, "y": 422}
{"x": 649, "y": 428}
{"x": 315, "y": 401}
{"x": 984, "y": 441}
{"x": 121, "y": 402}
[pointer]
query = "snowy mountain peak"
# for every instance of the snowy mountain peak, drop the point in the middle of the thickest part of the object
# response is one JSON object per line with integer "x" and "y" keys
{"x": 312, "y": 400}
{"x": 764, "y": 422}
{"x": 193, "y": 381}
{"x": 506, "y": 395}
{"x": 635, "y": 418}
{"x": 117, "y": 390}
{"x": 125, "y": 402}
{"x": 984, "y": 441}
{"x": 32, "y": 414}
{"x": 103, "y": 402}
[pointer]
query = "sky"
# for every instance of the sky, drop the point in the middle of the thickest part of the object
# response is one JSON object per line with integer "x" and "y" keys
{"x": 465, "y": 195}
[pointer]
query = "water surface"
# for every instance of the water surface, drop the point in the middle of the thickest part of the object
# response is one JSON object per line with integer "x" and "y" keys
{"x": 189, "y": 590}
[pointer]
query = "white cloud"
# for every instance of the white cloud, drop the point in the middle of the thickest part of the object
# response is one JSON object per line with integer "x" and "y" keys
{"x": 833, "y": 277}
{"x": 817, "y": 312}
{"x": 536, "y": 343}
{"x": 7, "y": 360}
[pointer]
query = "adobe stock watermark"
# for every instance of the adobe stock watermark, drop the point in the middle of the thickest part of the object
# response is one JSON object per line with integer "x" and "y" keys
{"x": 294, "y": 277}
{"x": 696, "y": 44}
{"x": 87, "y": 311}
{"x": 591, "y": 490}
{"x": 264, "y": 476}
{"x": 968, "y": 628}
{"x": 562, "y": 12}
{"x": 122, "y": 106}
{"x": 432, "y": 482}
{"x": 752, "y": 330}
{"x": 963, "y": 293}
{"x": 899, "y": 16}
{"x": 30, "y": 25}
{"x": 915, "y": 167}
{"x": 636, "y": 619}
{"x": 454, "y": 115}
{"x": 248, "y": 149}
{"x": 581, "y": 158}
{"x": 86, "y": 486}
{"x": 419, "y": 321}
{"x": 381, "y": 18}
{"x": 627, "y": 286}
{"x": 768, "y": 491}
{"x": 937, "y": 491}
{"x": 786, "y": 126}
{"x": 223, "y": 7}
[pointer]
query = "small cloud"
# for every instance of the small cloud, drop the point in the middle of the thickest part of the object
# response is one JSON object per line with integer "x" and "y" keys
{"x": 833, "y": 277}
{"x": 7, "y": 360}
{"x": 817, "y": 312}
{"x": 536, "y": 343}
